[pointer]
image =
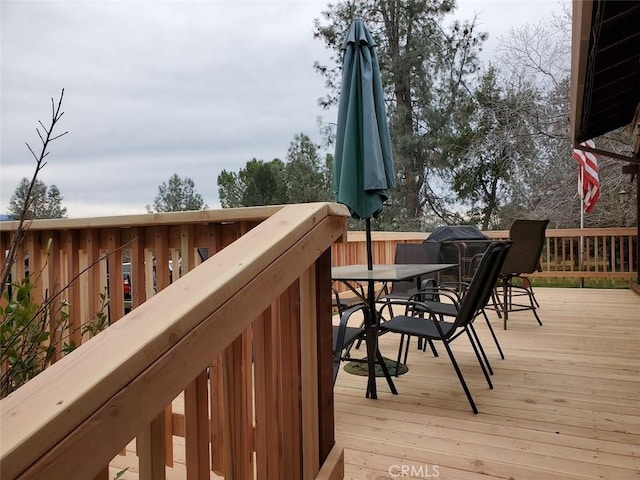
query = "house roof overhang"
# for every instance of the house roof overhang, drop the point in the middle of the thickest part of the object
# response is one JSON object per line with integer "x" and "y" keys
{"x": 605, "y": 70}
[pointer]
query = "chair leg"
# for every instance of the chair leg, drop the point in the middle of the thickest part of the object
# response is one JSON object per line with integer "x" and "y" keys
{"x": 493, "y": 334}
{"x": 433, "y": 348}
{"x": 336, "y": 368}
{"x": 534, "y": 304}
{"x": 482, "y": 365}
{"x": 496, "y": 303}
{"x": 535, "y": 314}
{"x": 482, "y": 352}
{"x": 387, "y": 374}
{"x": 506, "y": 296}
{"x": 406, "y": 351}
{"x": 461, "y": 378}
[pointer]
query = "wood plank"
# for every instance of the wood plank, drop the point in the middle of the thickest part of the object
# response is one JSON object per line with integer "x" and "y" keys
{"x": 309, "y": 374}
{"x": 196, "y": 415}
{"x": 564, "y": 404}
{"x": 163, "y": 343}
{"x": 558, "y": 411}
{"x": 290, "y": 381}
{"x": 151, "y": 450}
{"x": 325, "y": 355}
{"x": 238, "y": 454}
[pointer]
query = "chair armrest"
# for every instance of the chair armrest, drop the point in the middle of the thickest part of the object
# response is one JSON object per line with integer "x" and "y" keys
{"x": 342, "y": 327}
{"x": 415, "y": 306}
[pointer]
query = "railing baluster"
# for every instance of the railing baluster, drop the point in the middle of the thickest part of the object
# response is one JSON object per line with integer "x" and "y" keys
{"x": 151, "y": 449}
{"x": 53, "y": 284}
{"x": 289, "y": 377}
{"x": 72, "y": 294}
{"x": 196, "y": 419}
{"x": 266, "y": 429}
{"x": 216, "y": 406}
{"x": 309, "y": 364}
{"x": 238, "y": 422}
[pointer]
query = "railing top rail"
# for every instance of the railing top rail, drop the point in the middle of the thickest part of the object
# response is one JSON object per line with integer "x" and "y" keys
{"x": 114, "y": 384}
{"x": 151, "y": 219}
{"x": 359, "y": 236}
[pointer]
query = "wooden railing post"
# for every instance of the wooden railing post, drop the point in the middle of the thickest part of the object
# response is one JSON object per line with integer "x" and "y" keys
{"x": 325, "y": 355}
{"x": 289, "y": 381}
{"x": 238, "y": 424}
{"x": 150, "y": 445}
{"x": 267, "y": 437}
{"x": 309, "y": 374}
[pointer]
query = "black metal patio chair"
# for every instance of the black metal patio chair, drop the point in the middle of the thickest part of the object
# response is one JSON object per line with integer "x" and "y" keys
{"x": 433, "y": 298}
{"x": 344, "y": 337}
{"x": 528, "y": 237}
{"x": 408, "y": 253}
{"x": 437, "y": 327}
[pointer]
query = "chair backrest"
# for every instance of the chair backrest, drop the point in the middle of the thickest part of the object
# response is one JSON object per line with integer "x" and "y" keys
{"x": 528, "y": 238}
{"x": 414, "y": 253}
{"x": 504, "y": 248}
{"x": 483, "y": 282}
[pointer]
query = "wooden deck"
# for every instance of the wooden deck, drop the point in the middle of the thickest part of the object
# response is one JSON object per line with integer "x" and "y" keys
{"x": 564, "y": 404}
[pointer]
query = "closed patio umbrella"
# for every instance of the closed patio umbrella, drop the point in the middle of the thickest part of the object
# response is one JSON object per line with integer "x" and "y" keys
{"x": 363, "y": 163}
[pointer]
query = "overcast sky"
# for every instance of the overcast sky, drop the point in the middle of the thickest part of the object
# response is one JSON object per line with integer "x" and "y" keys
{"x": 154, "y": 88}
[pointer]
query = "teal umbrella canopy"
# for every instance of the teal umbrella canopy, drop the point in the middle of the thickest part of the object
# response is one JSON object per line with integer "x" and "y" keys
{"x": 363, "y": 163}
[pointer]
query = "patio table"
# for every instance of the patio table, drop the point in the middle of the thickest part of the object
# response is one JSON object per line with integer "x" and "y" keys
{"x": 381, "y": 273}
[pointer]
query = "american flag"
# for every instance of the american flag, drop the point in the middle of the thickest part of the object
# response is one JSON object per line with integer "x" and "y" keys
{"x": 588, "y": 181}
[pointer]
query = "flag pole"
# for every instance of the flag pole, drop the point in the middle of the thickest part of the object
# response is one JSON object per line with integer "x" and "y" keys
{"x": 582, "y": 252}
{"x": 588, "y": 166}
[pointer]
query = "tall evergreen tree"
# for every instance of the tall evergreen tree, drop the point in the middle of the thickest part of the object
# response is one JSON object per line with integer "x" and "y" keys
{"x": 177, "y": 195}
{"x": 258, "y": 183}
{"x": 306, "y": 176}
{"x": 303, "y": 178}
{"x": 45, "y": 202}
{"x": 426, "y": 70}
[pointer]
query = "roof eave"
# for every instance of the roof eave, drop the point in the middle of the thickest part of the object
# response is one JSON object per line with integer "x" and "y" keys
{"x": 580, "y": 35}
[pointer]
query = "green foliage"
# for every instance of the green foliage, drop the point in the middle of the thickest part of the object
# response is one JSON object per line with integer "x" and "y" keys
{"x": 617, "y": 283}
{"x": 177, "y": 195}
{"x": 265, "y": 183}
{"x": 26, "y": 345}
{"x": 258, "y": 183}
{"x": 302, "y": 179}
{"x": 307, "y": 179}
{"x": 44, "y": 202}
{"x": 25, "y": 349}
{"x": 491, "y": 157}
{"x": 120, "y": 473}
{"x": 101, "y": 319}
{"x": 427, "y": 71}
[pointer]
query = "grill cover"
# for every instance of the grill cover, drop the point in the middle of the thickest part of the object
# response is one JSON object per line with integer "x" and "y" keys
{"x": 458, "y": 244}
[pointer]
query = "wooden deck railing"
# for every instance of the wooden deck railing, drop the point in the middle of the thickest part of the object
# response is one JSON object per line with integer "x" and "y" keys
{"x": 607, "y": 252}
{"x": 256, "y": 302}
{"x": 199, "y": 335}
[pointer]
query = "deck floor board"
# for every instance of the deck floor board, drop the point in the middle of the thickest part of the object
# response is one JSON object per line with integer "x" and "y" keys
{"x": 565, "y": 403}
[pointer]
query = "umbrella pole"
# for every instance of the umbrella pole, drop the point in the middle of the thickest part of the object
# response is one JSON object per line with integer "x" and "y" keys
{"x": 372, "y": 330}
{"x": 369, "y": 244}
